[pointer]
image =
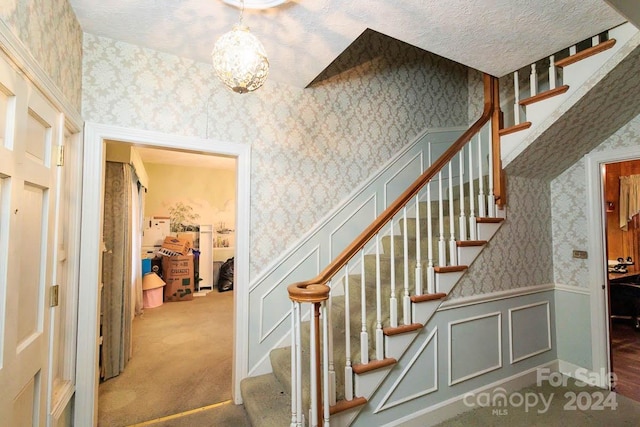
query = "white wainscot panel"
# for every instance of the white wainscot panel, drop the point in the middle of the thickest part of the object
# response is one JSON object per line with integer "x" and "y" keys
{"x": 352, "y": 226}
{"x": 475, "y": 346}
{"x": 418, "y": 378}
{"x": 274, "y": 303}
{"x": 529, "y": 331}
{"x": 407, "y": 173}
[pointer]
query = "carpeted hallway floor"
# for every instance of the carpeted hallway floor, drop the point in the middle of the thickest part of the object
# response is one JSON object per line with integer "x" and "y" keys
{"x": 180, "y": 376}
{"x": 182, "y": 359}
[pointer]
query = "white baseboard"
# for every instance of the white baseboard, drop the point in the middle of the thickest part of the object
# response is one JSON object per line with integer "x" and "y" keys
{"x": 598, "y": 379}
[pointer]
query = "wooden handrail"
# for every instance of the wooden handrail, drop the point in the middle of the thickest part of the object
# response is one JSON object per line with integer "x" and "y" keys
{"x": 316, "y": 290}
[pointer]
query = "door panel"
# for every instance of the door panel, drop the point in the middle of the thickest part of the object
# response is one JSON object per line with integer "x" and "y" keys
{"x": 31, "y": 290}
{"x": 26, "y": 246}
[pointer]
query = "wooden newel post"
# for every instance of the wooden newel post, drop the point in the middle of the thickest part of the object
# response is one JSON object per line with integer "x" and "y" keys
{"x": 496, "y": 124}
{"x": 315, "y": 294}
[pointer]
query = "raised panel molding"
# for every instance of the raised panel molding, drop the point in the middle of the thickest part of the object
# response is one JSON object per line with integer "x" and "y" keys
{"x": 475, "y": 333}
{"x": 408, "y": 172}
{"x": 527, "y": 337}
{"x": 313, "y": 257}
{"x": 365, "y": 213}
{"x": 432, "y": 343}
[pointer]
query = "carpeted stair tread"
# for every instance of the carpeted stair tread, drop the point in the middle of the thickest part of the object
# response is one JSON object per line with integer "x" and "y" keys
{"x": 266, "y": 401}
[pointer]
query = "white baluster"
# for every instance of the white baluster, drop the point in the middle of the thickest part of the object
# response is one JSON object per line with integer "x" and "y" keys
{"x": 595, "y": 41}
{"x": 533, "y": 80}
{"x": 491, "y": 202}
{"x": 418, "y": 272}
{"x": 406, "y": 300}
{"x": 393, "y": 302}
{"x": 552, "y": 72}
{"x": 431, "y": 282}
{"x": 463, "y": 215}
{"x": 296, "y": 372}
{"x": 327, "y": 395}
{"x": 379, "y": 334}
{"x": 516, "y": 98}
{"x": 331, "y": 367}
{"x": 348, "y": 369}
{"x": 453, "y": 248}
{"x": 573, "y": 50}
{"x": 364, "y": 336}
{"x": 472, "y": 215}
{"x": 482, "y": 207}
{"x": 442, "y": 247}
{"x": 313, "y": 361}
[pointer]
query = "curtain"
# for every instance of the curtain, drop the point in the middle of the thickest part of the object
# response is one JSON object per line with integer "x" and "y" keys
{"x": 137, "y": 220}
{"x": 117, "y": 269}
{"x": 629, "y": 199}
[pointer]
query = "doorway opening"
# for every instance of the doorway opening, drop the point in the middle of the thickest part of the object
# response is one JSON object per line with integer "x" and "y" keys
{"x": 96, "y": 136}
{"x": 622, "y": 232}
{"x": 171, "y": 350}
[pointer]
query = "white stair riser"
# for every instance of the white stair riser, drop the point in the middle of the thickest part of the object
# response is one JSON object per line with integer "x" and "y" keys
{"x": 423, "y": 311}
{"x": 367, "y": 383}
{"x": 487, "y": 230}
{"x": 395, "y": 345}
{"x": 468, "y": 254}
{"x": 539, "y": 111}
{"x": 345, "y": 418}
{"x": 446, "y": 281}
{"x": 510, "y": 144}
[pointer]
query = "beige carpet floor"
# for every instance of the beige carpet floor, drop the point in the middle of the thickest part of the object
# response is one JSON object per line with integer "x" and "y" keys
{"x": 182, "y": 360}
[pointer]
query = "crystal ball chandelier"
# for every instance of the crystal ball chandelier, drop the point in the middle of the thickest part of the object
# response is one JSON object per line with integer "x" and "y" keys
{"x": 239, "y": 59}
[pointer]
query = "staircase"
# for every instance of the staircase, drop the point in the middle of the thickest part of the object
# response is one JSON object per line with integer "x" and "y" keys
{"x": 405, "y": 264}
{"x": 396, "y": 338}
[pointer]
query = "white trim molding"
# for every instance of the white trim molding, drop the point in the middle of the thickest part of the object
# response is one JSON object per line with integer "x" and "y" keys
{"x": 594, "y": 167}
{"x": 511, "y": 336}
{"x": 88, "y": 312}
{"x": 573, "y": 289}
{"x": 432, "y": 338}
{"x": 498, "y": 365}
{"x": 495, "y": 296}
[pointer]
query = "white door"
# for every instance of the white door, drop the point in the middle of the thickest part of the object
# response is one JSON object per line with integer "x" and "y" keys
{"x": 28, "y": 134}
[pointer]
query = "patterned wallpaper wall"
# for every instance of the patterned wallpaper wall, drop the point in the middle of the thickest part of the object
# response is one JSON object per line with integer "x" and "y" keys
{"x": 50, "y": 31}
{"x": 310, "y": 148}
{"x": 569, "y": 201}
{"x": 520, "y": 252}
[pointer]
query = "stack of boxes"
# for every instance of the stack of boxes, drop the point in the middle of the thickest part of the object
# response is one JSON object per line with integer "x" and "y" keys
{"x": 177, "y": 264}
{"x": 177, "y": 269}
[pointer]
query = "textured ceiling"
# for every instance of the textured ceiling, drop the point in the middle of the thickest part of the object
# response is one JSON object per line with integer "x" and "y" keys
{"x": 302, "y": 37}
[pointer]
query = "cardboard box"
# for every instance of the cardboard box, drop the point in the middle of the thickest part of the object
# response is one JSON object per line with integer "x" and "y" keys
{"x": 177, "y": 245}
{"x": 178, "y": 274}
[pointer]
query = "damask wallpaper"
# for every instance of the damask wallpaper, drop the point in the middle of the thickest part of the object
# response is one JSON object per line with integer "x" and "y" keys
{"x": 520, "y": 253}
{"x": 50, "y": 31}
{"x": 310, "y": 147}
{"x": 569, "y": 202}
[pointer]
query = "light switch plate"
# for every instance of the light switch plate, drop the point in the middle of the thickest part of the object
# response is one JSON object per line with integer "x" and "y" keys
{"x": 580, "y": 254}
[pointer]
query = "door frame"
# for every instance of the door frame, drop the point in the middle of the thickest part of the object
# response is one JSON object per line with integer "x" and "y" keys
{"x": 594, "y": 165}
{"x": 87, "y": 381}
